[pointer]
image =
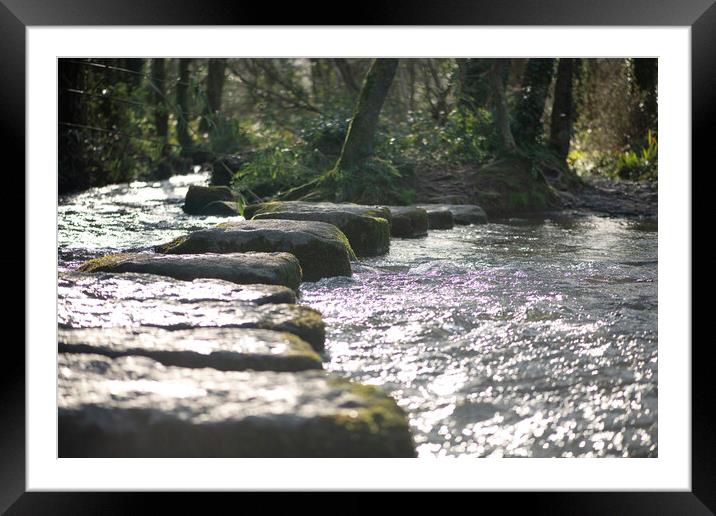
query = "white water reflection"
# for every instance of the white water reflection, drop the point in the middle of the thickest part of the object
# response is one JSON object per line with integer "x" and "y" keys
{"x": 521, "y": 339}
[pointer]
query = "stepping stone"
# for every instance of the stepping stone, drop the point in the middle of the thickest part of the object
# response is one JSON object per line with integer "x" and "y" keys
{"x": 220, "y": 209}
{"x": 366, "y": 227}
{"x": 464, "y": 214}
{"x": 440, "y": 218}
{"x": 408, "y": 222}
{"x": 197, "y": 197}
{"x": 79, "y": 307}
{"x": 139, "y": 287}
{"x": 321, "y": 248}
{"x": 242, "y": 268}
{"x": 225, "y": 349}
{"x": 137, "y": 407}
{"x": 381, "y": 212}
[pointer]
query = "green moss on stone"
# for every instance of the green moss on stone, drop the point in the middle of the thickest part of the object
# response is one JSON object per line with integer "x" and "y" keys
{"x": 104, "y": 263}
{"x": 308, "y": 325}
{"x": 379, "y": 418}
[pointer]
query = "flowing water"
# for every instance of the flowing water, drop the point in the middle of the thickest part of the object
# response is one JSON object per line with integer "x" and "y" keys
{"x": 524, "y": 338}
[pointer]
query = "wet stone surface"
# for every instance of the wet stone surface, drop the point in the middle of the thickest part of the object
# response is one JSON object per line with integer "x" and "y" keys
{"x": 85, "y": 301}
{"x": 225, "y": 349}
{"x": 136, "y": 407}
{"x": 368, "y": 235}
{"x": 242, "y": 268}
{"x": 463, "y": 214}
{"x": 321, "y": 248}
{"x": 382, "y": 212}
{"x": 408, "y": 222}
{"x": 139, "y": 287}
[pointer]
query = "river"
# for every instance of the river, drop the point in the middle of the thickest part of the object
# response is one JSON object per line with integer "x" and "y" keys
{"x": 520, "y": 338}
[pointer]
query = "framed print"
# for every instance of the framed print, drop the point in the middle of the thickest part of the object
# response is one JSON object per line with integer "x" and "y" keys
{"x": 485, "y": 284}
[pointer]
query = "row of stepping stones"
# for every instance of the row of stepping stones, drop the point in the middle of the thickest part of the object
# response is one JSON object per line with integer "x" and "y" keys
{"x": 363, "y": 225}
{"x": 199, "y": 350}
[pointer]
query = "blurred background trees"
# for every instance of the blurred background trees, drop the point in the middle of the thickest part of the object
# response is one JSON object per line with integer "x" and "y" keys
{"x": 281, "y": 123}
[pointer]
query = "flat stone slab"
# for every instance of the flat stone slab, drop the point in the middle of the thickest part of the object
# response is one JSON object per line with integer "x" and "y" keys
{"x": 382, "y": 212}
{"x": 321, "y": 248}
{"x": 105, "y": 307}
{"x": 440, "y": 218}
{"x": 197, "y": 197}
{"x": 242, "y": 268}
{"x": 225, "y": 349}
{"x": 408, "y": 222}
{"x": 137, "y": 407}
{"x": 366, "y": 227}
{"x": 464, "y": 214}
{"x": 142, "y": 287}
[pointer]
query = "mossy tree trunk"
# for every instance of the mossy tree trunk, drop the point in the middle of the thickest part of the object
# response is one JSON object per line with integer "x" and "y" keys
{"x": 527, "y": 125}
{"x": 215, "y": 76}
{"x": 358, "y": 144}
{"x": 158, "y": 88}
{"x": 563, "y": 112}
{"x": 182, "y": 99}
{"x": 502, "y": 117}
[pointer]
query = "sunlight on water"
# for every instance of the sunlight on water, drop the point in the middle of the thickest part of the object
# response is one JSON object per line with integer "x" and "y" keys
{"x": 132, "y": 216}
{"x": 522, "y": 339}
{"x": 528, "y": 338}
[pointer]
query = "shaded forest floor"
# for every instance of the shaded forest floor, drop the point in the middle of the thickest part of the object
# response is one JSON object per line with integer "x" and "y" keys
{"x": 441, "y": 184}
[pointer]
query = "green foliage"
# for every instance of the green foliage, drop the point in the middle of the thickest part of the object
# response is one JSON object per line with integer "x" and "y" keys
{"x": 226, "y": 136}
{"x": 642, "y": 165}
{"x": 271, "y": 171}
{"x": 377, "y": 181}
{"x": 110, "y": 149}
{"x": 466, "y": 137}
{"x": 634, "y": 165}
{"x": 325, "y": 133}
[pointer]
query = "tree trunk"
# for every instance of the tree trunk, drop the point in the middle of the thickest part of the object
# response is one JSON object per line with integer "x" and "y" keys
{"x": 183, "y": 78}
{"x": 527, "y": 125}
{"x": 497, "y": 88}
{"x": 563, "y": 109}
{"x": 214, "y": 87}
{"x": 161, "y": 115}
{"x": 358, "y": 145}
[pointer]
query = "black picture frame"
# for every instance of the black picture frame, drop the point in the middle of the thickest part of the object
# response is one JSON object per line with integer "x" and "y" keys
{"x": 17, "y": 15}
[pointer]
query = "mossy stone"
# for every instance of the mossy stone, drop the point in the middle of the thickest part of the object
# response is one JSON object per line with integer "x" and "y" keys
{"x": 408, "y": 222}
{"x": 241, "y": 268}
{"x": 137, "y": 407}
{"x": 321, "y": 248}
{"x": 367, "y": 235}
{"x": 224, "y": 349}
{"x": 440, "y": 219}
